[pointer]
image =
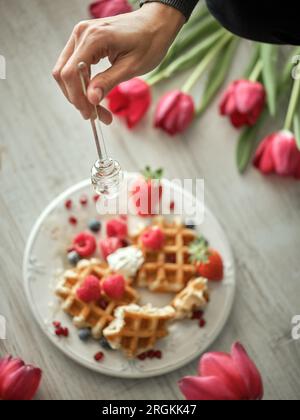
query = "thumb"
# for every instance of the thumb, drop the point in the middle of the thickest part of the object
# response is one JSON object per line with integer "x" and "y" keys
{"x": 104, "y": 82}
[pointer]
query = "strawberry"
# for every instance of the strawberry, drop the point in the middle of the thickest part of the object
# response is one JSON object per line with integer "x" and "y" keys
{"x": 109, "y": 246}
{"x": 89, "y": 290}
{"x": 117, "y": 228}
{"x": 208, "y": 261}
{"x": 114, "y": 286}
{"x": 153, "y": 238}
{"x": 84, "y": 244}
{"x": 147, "y": 192}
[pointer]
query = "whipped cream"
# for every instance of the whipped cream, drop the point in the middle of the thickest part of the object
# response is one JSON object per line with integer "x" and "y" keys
{"x": 126, "y": 261}
{"x": 195, "y": 296}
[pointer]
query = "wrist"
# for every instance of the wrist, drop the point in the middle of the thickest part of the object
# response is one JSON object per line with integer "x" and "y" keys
{"x": 163, "y": 17}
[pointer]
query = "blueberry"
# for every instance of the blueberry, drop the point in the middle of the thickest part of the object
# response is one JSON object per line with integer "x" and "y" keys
{"x": 104, "y": 344}
{"x": 190, "y": 225}
{"x": 73, "y": 258}
{"x": 84, "y": 334}
{"x": 95, "y": 226}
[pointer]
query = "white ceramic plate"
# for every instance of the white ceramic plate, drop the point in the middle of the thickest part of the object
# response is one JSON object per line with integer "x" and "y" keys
{"x": 45, "y": 259}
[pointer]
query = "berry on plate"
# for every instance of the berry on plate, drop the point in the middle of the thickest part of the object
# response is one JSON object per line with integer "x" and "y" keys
{"x": 114, "y": 286}
{"x": 208, "y": 261}
{"x": 147, "y": 192}
{"x": 117, "y": 228}
{"x": 95, "y": 226}
{"x": 84, "y": 244}
{"x": 109, "y": 246}
{"x": 90, "y": 290}
{"x": 153, "y": 238}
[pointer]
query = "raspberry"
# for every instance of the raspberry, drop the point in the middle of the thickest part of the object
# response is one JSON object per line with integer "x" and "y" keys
{"x": 90, "y": 290}
{"x": 85, "y": 244}
{"x": 99, "y": 356}
{"x": 117, "y": 228}
{"x": 153, "y": 239}
{"x": 109, "y": 246}
{"x": 68, "y": 204}
{"x": 83, "y": 200}
{"x": 114, "y": 286}
{"x": 73, "y": 221}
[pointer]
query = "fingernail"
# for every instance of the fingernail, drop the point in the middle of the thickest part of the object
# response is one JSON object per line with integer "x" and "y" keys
{"x": 98, "y": 94}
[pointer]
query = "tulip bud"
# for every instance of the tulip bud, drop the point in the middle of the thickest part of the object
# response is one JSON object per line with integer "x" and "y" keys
{"x": 175, "y": 112}
{"x": 18, "y": 382}
{"x": 243, "y": 102}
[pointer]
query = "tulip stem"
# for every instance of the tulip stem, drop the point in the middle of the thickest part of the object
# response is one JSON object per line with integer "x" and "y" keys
{"x": 293, "y": 104}
{"x": 256, "y": 71}
{"x": 200, "y": 69}
{"x": 187, "y": 60}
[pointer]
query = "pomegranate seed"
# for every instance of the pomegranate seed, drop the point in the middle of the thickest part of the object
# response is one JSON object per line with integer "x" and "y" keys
{"x": 73, "y": 221}
{"x": 56, "y": 324}
{"x": 158, "y": 354}
{"x": 202, "y": 323}
{"x": 151, "y": 354}
{"x": 65, "y": 332}
{"x": 103, "y": 304}
{"x": 68, "y": 204}
{"x": 99, "y": 356}
{"x": 96, "y": 198}
{"x": 197, "y": 315}
{"x": 83, "y": 200}
{"x": 172, "y": 205}
{"x": 142, "y": 356}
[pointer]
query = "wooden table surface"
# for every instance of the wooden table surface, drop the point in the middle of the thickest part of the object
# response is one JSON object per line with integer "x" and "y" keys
{"x": 45, "y": 147}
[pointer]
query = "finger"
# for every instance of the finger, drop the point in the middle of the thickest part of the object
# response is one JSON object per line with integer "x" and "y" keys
{"x": 90, "y": 52}
{"x": 62, "y": 60}
{"x": 104, "y": 115}
{"x": 104, "y": 82}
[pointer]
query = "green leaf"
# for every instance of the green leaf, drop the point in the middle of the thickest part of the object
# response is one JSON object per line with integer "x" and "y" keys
{"x": 218, "y": 75}
{"x": 297, "y": 129}
{"x": 269, "y": 55}
{"x": 247, "y": 144}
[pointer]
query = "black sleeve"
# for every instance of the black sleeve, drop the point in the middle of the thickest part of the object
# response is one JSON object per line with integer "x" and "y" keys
{"x": 267, "y": 21}
{"x": 186, "y": 7}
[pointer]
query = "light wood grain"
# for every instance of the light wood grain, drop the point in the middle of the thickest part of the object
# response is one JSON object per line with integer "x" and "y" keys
{"x": 45, "y": 147}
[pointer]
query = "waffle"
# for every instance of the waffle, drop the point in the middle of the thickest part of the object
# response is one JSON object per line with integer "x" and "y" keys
{"x": 168, "y": 270}
{"x": 94, "y": 315}
{"x": 137, "y": 329}
{"x": 194, "y": 297}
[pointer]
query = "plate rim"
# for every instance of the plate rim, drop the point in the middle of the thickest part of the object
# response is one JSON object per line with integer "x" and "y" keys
{"x": 98, "y": 368}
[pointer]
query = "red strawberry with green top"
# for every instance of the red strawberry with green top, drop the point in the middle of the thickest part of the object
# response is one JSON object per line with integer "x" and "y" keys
{"x": 147, "y": 192}
{"x": 208, "y": 261}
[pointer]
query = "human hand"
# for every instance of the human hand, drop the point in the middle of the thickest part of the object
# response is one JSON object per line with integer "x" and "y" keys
{"x": 135, "y": 43}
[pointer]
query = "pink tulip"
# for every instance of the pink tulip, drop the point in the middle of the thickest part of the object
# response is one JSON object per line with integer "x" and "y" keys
{"x": 18, "y": 382}
{"x": 175, "y": 112}
{"x": 278, "y": 154}
{"x": 130, "y": 100}
{"x": 106, "y": 8}
{"x": 224, "y": 376}
{"x": 243, "y": 102}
